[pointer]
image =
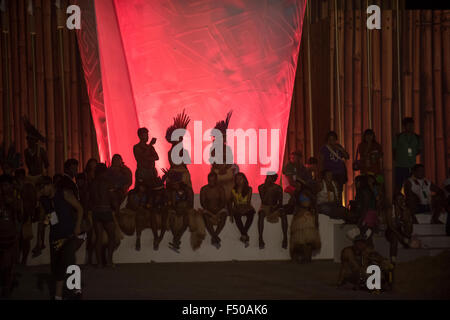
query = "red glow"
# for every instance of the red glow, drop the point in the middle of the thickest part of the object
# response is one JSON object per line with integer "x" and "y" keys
{"x": 205, "y": 56}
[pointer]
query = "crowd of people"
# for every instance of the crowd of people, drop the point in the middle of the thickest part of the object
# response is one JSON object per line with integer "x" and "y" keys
{"x": 96, "y": 207}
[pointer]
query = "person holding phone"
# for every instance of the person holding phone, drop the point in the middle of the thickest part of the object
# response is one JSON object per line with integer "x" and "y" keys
{"x": 146, "y": 156}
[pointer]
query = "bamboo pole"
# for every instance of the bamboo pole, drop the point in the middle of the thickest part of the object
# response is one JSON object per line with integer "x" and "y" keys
{"x": 299, "y": 106}
{"x": 387, "y": 76}
{"x": 74, "y": 100}
{"x": 15, "y": 69}
{"x": 60, "y": 29}
{"x": 23, "y": 72}
{"x": 2, "y": 90}
{"x": 310, "y": 101}
{"x": 437, "y": 84}
{"x": 339, "y": 65}
{"x": 407, "y": 64}
{"x": 332, "y": 62}
{"x": 365, "y": 91}
{"x": 7, "y": 75}
{"x": 376, "y": 80}
{"x": 40, "y": 78}
{"x": 427, "y": 100}
{"x": 399, "y": 72}
{"x": 348, "y": 93}
{"x": 49, "y": 84}
{"x": 369, "y": 73}
{"x": 357, "y": 83}
{"x": 306, "y": 90}
{"x": 416, "y": 72}
{"x": 446, "y": 76}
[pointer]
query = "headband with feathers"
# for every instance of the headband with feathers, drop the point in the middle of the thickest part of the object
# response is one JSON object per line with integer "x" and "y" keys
{"x": 32, "y": 132}
{"x": 181, "y": 121}
{"x": 222, "y": 126}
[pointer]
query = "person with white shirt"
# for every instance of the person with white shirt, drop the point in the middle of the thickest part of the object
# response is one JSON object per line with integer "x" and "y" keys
{"x": 419, "y": 194}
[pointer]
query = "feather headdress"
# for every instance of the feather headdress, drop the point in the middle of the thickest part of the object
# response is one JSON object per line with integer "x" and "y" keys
{"x": 222, "y": 126}
{"x": 32, "y": 132}
{"x": 181, "y": 121}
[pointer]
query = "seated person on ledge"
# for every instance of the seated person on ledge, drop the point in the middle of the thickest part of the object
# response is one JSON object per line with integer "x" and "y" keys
{"x": 327, "y": 198}
{"x": 213, "y": 202}
{"x": 419, "y": 195}
{"x": 271, "y": 195}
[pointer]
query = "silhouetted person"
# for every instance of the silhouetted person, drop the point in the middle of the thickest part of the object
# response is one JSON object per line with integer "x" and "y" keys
{"x": 103, "y": 204}
{"x": 271, "y": 195}
{"x": 214, "y": 205}
{"x": 332, "y": 157}
{"x": 145, "y": 155}
{"x": 241, "y": 199}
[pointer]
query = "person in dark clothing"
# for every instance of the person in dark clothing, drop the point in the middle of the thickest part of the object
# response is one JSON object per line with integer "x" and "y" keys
{"x": 103, "y": 205}
{"x": 9, "y": 233}
{"x": 65, "y": 226}
{"x": 332, "y": 157}
{"x": 45, "y": 192}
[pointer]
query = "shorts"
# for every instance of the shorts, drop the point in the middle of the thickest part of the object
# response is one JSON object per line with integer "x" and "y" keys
{"x": 102, "y": 216}
{"x": 62, "y": 258}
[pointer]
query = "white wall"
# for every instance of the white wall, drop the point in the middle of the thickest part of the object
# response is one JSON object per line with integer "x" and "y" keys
{"x": 231, "y": 249}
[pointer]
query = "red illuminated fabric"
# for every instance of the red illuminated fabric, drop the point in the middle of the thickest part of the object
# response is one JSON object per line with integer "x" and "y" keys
{"x": 205, "y": 56}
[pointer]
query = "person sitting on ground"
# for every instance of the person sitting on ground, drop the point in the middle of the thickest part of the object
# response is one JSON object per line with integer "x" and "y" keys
{"x": 419, "y": 197}
{"x": 214, "y": 208}
{"x": 271, "y": 195}
{"x": 327, "y": 198}
{"x": 241, "y": 206}
{"x": 355, "y": 260}
{"x": 305, "y": 237}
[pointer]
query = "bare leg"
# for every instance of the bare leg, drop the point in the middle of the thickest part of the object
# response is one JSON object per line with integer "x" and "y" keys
{"x": 284, "y": 229}
{"x": 99, "y": 242}
{"x": 261, "y": 216}
{"x": 110, "y": 230}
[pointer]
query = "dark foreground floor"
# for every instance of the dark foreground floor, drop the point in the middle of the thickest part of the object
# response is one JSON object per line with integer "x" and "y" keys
{"x": 426, "y": 278}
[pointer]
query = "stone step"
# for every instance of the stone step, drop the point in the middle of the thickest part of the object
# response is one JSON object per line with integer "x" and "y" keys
{"x": 425, "y": 218}
{"x": 429, "y": 229}
{"x": 435, "y": 241}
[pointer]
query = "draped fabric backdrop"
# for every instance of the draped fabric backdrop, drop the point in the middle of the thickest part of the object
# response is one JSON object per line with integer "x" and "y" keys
{"x": 335, "y": 41}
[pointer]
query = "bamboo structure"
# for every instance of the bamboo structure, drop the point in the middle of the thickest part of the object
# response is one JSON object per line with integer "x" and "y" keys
{"x": 359, "y": 66}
